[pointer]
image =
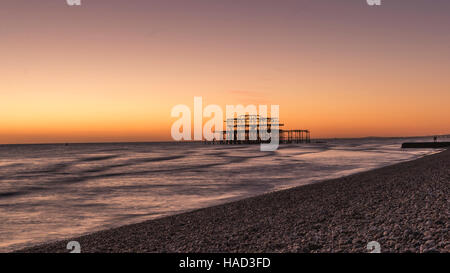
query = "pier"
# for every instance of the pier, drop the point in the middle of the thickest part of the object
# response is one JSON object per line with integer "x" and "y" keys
{"x": 254, "y": 129}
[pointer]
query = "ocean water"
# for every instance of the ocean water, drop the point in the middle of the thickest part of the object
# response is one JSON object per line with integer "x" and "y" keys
{"x": 50, "y": 192}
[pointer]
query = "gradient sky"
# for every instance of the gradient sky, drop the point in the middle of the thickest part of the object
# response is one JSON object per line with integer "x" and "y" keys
{"x": 112, "y": 70}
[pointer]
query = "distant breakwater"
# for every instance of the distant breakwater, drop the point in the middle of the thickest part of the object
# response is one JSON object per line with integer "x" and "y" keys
{"x": 426, "y": 144}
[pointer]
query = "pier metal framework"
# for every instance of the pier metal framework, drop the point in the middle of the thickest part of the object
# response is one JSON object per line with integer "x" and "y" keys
{"x": 254, "y": 129}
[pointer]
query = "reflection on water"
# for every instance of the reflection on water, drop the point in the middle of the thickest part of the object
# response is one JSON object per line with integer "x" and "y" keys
{"x": 50, "y": 192}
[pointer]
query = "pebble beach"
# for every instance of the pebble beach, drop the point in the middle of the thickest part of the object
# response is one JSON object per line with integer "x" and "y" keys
{"x": 404, "y": 207}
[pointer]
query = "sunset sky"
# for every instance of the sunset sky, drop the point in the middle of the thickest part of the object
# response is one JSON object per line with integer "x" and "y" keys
{"x": 111, "y": 70}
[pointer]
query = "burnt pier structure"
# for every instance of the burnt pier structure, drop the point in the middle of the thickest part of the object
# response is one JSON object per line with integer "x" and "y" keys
{"x": 254, "y": 129}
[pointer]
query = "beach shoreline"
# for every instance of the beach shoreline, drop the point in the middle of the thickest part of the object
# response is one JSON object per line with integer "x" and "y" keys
{"x": 402, "y": 206}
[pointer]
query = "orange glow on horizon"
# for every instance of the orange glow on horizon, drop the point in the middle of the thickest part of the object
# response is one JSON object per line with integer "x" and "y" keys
{"x": 117, "y": 72}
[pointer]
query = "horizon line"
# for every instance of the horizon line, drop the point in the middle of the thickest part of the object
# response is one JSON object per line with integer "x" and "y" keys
{"x": 194, "y": 141}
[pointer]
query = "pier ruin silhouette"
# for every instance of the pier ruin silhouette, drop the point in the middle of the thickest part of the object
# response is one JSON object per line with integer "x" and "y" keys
{"x": 254, "y": 129}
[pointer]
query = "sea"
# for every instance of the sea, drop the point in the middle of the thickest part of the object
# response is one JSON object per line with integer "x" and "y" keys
{"x": 51, "y": 192}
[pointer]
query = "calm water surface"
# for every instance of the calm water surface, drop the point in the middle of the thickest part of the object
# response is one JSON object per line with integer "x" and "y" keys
{"x": 50, "y": 192}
